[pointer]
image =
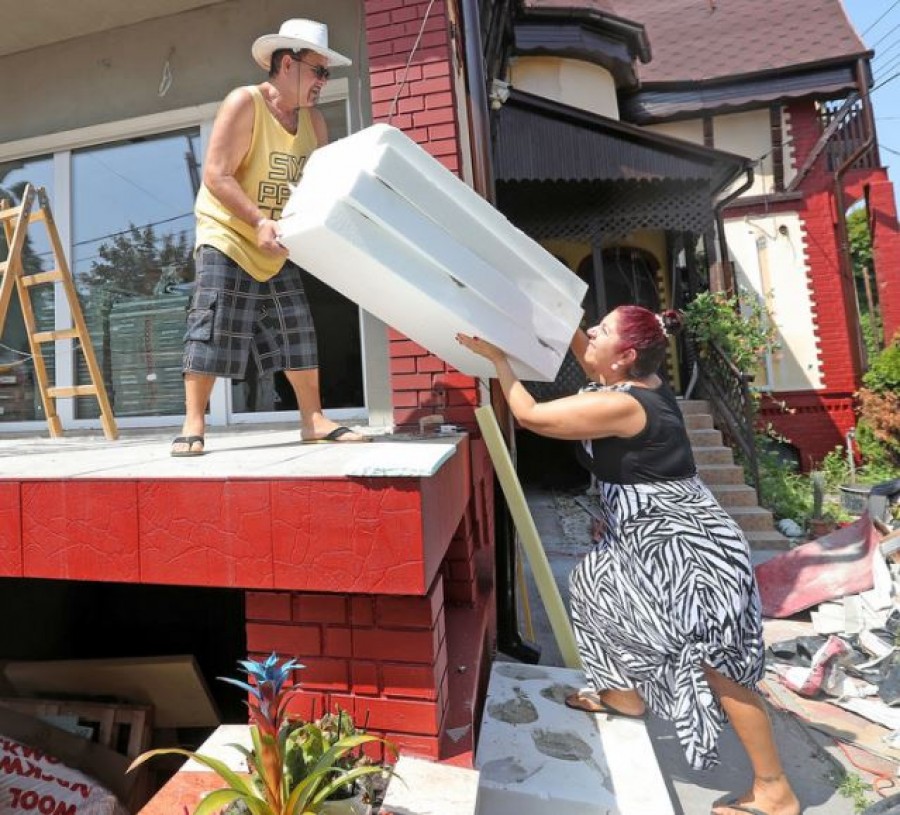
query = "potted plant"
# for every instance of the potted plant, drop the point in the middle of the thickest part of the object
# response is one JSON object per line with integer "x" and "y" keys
{"x": 296, "y": 768}
{"x": 820, "y": 522}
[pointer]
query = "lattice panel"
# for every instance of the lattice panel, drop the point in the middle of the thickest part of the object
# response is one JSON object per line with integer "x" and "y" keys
{"x": 591, "y": 212}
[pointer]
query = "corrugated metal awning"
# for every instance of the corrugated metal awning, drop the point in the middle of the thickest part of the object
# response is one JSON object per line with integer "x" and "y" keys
{"x": 537, "y": 139}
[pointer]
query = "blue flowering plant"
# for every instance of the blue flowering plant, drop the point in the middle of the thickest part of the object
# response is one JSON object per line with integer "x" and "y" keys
{"x": 295, "y": 767}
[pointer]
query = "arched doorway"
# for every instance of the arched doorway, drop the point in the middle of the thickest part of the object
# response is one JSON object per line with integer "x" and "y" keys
{"x": 628, "y": 274}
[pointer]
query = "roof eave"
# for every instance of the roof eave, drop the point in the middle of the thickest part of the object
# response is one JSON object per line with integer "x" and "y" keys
{"x": 729, "y": 79}
{"x": 629, "y": 30}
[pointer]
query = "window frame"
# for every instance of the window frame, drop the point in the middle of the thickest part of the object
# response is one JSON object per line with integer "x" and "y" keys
{"x": 59, "y": 148}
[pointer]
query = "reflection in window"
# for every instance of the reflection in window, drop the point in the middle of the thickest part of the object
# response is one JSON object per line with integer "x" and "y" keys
{"x": 133, "y": 236}
{"x": 19, "y": 398}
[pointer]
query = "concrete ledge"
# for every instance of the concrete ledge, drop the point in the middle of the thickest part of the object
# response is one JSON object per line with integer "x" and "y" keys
{"x": 426, "y": 788}
{"x": 536, "y": 755}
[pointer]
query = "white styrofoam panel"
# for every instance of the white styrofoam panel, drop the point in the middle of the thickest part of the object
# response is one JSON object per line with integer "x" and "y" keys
{"x": 509, "y": 290}
{"x": 380, "y": 203}
{"x": 535, "y": 755}
{"x": 389, "y": 155}
{"x": 359, "y": 259}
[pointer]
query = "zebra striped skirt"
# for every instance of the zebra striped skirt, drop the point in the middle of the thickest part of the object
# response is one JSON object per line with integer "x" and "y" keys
{"x": 668, "y": 588}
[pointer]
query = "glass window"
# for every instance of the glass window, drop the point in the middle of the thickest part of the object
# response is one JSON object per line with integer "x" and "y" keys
{"x": 19, "y": 398}
{"x": 133, "y": 238}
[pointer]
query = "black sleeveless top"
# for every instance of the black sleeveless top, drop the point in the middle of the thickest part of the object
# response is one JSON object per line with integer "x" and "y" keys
{"x": 660, "y": 452}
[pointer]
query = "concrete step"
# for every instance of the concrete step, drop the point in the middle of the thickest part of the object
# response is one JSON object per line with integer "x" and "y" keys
{"x": 705, "y": 437}
{"x": 761, "y": 540}
{"x": 734, "y": 495}
{"x": 752, "y": 519}
{"x": 689, "y": 406}
{"x": 420, "y": 787}
{"x": 729, "y": 473}
{"x": 536, "y": 756}
{"x": 713, "y": 455}
{"x": 698, "y": 421}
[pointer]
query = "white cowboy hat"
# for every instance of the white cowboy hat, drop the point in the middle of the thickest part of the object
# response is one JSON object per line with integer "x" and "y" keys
{"x": 296, "y": 35}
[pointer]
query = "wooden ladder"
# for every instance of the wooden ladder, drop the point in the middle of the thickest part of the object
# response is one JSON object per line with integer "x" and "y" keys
{"x": 16, "y": 221}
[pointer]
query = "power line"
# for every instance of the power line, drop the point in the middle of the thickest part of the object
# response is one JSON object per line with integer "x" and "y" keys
{"x": 888, "y": 66}
{"x": 886, "y": 50}
{"x": 875, "y": 45}
{"x": 122, "y": 232}
{"x": 890, "y": 9}
{"x": 881, "y": 84}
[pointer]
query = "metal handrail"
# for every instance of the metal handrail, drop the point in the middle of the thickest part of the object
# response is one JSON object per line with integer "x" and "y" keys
{"x": 728, "y": 390}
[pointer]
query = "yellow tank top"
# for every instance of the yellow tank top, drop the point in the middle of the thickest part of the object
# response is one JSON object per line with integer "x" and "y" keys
{"x": 274, "y": 161}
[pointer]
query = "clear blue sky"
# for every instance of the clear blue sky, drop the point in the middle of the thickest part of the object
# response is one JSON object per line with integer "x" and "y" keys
{"x": 878, "y": 23}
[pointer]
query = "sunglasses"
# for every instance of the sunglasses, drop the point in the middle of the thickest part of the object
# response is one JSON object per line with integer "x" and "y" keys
{"x": 320, "y": 71}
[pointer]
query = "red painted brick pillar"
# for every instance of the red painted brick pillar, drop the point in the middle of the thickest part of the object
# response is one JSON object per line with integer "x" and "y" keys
{"x": 413, "y": 91}
{"x": 382, "y": 659}
{"x": 886, "y": 253}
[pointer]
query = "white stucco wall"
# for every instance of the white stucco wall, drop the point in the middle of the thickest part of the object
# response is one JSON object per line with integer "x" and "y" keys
{"x": 567, "y": 81}
{"x": 689, "y": 130}
{"x": 748, "y": 134}
{"x": 770, "y": 260}
{"x": 114, "y": 75}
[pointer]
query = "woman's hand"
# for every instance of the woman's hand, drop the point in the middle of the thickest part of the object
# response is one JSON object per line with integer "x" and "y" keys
{"x": 481, "y": 347}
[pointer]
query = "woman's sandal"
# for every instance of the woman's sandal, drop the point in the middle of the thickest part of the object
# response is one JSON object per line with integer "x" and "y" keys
{"x": 590, "y": 702}
{"x": 731, "y": 801}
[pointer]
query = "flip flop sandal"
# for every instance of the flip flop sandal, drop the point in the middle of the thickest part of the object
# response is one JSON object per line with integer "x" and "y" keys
{"x": 732, "y": 803}
{"x": 190, "y": 441}
{"x": 335, "y": 436}
{"x": 579, "y": 701}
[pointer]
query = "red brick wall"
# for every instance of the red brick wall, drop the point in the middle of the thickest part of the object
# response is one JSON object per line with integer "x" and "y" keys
{"x": 886, "y": 246}
{"x": 425, "y": 111}
{"x": 815, "y": 424}
{"x": 818, "y": 421}
{"x": 382, "y": 659}
{"x": 819, "y": 216}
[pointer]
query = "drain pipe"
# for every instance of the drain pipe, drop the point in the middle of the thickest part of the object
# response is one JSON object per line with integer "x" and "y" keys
{"x": 509, "y": 640}
{"x": 719, "y": 210}
{"x": 478, "y": 104}
{"x": 845, "y": 262}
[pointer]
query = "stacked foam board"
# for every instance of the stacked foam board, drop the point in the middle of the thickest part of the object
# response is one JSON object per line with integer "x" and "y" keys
{"x": 389, "y": 227}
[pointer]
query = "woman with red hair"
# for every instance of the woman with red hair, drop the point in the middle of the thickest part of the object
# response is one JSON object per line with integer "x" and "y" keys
{"x": 665, "y": 607}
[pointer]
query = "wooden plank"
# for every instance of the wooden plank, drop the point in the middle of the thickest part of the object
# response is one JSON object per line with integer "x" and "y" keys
{"x": 41, "y": 278}
{"x": 51, "y": 336}
{"x": 72, "y": 390}
{"x": 114, "y": 724}
{"x": 173, "y": 685}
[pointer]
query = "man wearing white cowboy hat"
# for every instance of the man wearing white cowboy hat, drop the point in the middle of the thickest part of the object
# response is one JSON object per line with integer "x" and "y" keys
{"x": 248, "y": 299}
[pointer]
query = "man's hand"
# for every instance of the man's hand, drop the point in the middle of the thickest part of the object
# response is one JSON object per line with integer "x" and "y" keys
{"x": 267, "y": 237}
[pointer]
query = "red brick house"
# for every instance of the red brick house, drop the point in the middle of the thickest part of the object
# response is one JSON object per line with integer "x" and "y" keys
{"x": 785, "y": 86}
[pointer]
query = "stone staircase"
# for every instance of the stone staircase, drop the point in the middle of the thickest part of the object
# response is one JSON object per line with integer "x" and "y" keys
{"x": 715, "y": 464}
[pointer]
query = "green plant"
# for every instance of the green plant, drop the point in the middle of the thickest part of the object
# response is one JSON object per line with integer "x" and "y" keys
{"x": 851, "y": 785}
{"x": 308, "y": 742}
{"x": 274, "y": 787}
{"x": 785, "y": 490}
{"x": 835, "y": 468}
{"x": 737, "y": 324}
{"x": 878, "y": 429}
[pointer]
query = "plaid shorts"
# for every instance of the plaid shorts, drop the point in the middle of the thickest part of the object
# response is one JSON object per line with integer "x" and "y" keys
{"x": 232, "y": 316}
